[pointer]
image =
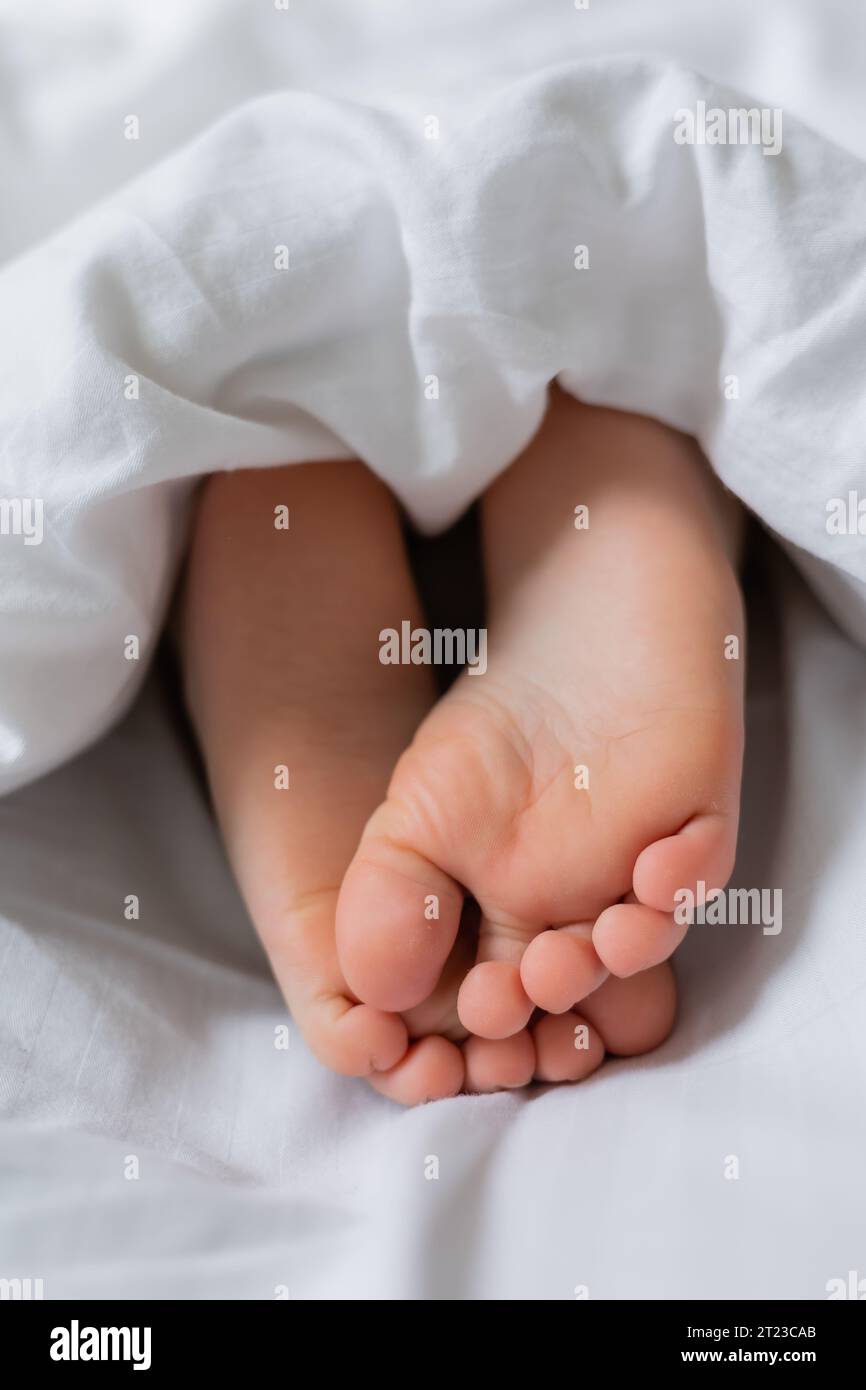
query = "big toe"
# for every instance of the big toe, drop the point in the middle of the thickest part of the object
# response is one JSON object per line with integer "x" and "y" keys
{"x": 701, "y": 853}
{"x": 397, "y": 919}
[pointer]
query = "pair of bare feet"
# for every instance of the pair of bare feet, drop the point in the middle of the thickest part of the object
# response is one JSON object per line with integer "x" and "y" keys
{"x": 475, "y": 892}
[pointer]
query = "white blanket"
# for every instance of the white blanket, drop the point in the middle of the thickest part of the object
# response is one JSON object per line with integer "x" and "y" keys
{"x": 312, "y": 276}
{"x": 430, "y": 293}
{"x": 261, "y": 1174}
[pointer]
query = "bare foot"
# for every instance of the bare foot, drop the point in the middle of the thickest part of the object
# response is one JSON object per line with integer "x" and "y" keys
{"x": 590, "y": 773}
{"x": 280, "y": 648}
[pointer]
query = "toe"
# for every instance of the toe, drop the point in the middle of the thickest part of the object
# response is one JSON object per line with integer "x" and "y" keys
{"x": 397, "y": 920}
{"x": 352, "y": 1039}
{"x": 634, "y": 1015}
{"x": 567, "y": 1048}
{"x": 702, "y": 851}
{"x": 492, "y": 1002}
{"x": 432, "y": 1069}
{"x": 630, "y": 937}
{"x": 348, "y": 1037}
{"x": 560, "y": 967}
{"x": 438, "y": 1012}
{"x": 500, "y": 1065}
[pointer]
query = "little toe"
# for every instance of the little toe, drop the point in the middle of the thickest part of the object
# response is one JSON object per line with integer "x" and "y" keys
{"x": 560, "y": 967}
{"x": 630, "y": 937}
{"x": 350, "y": 1038}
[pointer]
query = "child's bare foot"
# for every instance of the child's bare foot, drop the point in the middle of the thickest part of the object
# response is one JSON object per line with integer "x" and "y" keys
{"x": 280, "y": 653}
{"x": 590, "y": 773}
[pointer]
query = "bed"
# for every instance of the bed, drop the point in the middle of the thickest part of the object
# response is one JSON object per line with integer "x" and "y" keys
{"x": 161, "y": 1136}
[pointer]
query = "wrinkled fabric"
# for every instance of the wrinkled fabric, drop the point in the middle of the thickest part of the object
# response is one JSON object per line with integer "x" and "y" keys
{"x": 156, "y": 1137}
{"x": 311, "y": 277}
{"x": 159, "y": 1140}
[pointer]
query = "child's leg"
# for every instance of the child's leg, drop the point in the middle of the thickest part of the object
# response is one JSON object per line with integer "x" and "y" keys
{"x": 598, "y": 759}
{"x": 280, "y": 651}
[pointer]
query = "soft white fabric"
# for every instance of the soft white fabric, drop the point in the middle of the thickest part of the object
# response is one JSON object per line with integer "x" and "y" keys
{"x": 430, "y": 295}
{"x": 154, "y": 1039}
{"x": 259, "y": 1170}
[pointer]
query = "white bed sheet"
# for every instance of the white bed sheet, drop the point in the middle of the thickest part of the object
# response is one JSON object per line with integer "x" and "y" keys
{"x": 262, "y": 1175}
{"x": 310, "y": 276}
{"x": 259, "y": 1171}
